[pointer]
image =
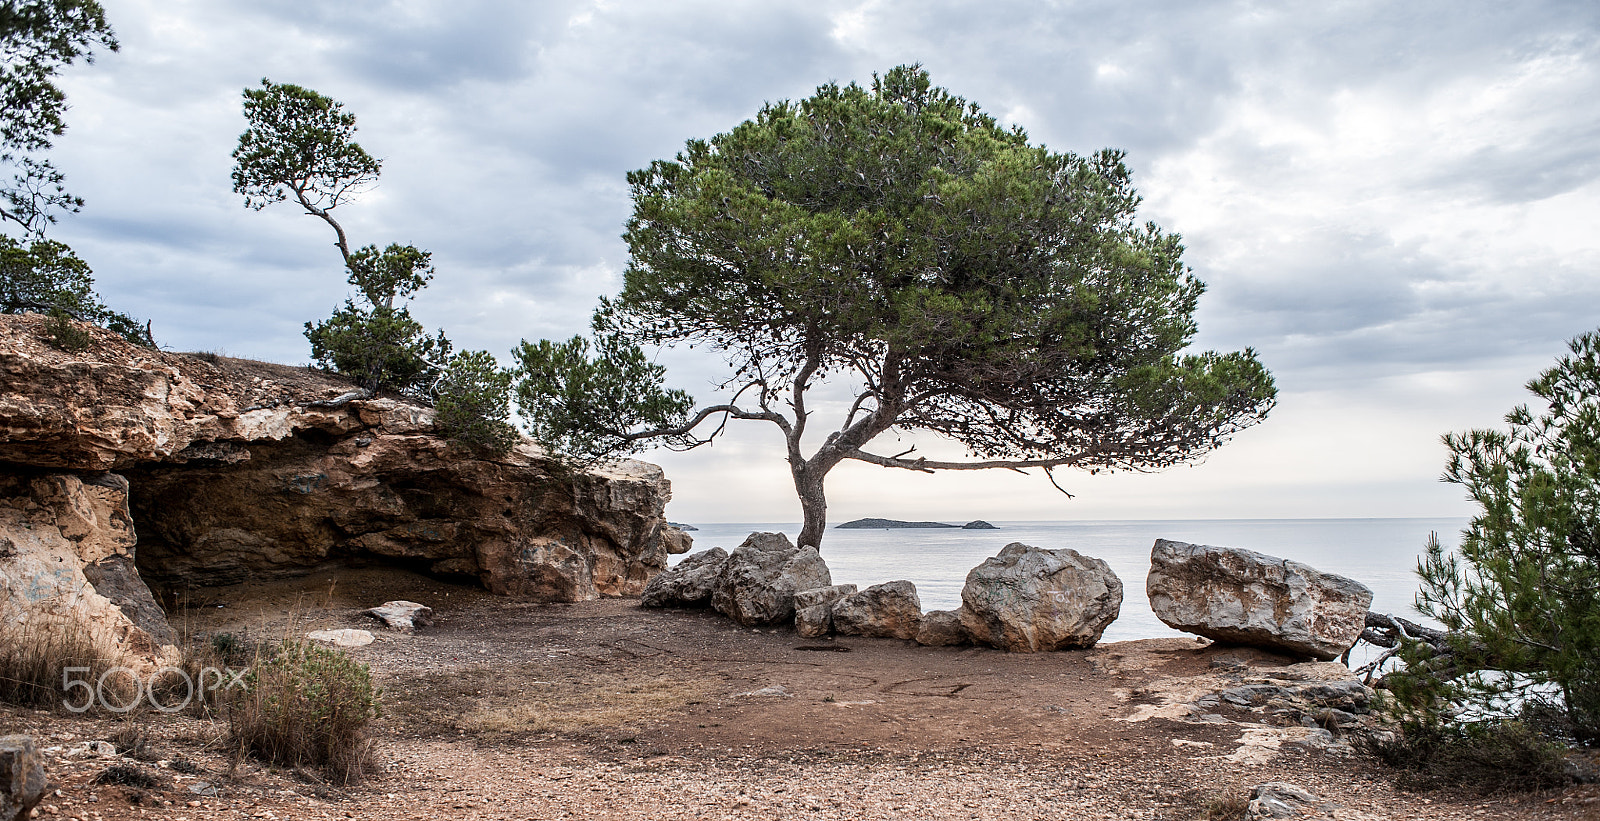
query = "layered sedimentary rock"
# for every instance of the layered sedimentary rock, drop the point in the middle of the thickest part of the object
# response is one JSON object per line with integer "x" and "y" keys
{"x": 1244, "y": 597}
{"x": 1028, "y": 599}
{"x": 239, "y": 469}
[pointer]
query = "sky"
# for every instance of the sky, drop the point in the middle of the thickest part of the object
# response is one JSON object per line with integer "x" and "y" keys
{"x": 1396, "y": 204}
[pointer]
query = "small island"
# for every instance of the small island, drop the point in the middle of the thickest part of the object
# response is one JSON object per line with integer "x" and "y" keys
{"x": 892, "y": 524}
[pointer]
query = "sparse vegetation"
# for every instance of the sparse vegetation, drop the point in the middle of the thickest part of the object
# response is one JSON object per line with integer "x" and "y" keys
{"x": 307, "y": 706}
{"x": 1500, "y": 757}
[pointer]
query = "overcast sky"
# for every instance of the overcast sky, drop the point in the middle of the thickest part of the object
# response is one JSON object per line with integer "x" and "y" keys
{"x": 1395, "y": 203}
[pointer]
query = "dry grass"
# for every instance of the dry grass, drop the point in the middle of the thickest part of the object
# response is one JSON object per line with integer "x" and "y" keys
{"x": 35, "y": 656}
{"x": 513, "y": 703}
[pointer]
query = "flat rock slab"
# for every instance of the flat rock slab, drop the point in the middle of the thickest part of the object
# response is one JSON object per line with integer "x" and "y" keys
{"x": 1243, "y": 597}
{"x": 342, "y": 638}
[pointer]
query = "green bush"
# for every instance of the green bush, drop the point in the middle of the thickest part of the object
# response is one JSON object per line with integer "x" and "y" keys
{"x": 307, "y": 706}
{"x": 472, "y": 401}
{"x": 1522, "y": 594}
{"x": 64, "y": 334}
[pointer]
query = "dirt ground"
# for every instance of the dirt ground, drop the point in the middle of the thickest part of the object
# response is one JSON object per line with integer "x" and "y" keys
{"x": 605, "y": 710}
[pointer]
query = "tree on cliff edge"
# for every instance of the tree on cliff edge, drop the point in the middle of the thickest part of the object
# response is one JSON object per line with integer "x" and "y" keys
{"x": 300, "y": 146}
{"x": 973, "y": 285}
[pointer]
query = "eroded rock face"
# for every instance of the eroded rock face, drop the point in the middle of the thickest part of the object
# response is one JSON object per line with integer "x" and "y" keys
{"x": 1244, "y": 597}
{"x": 67, "y": 568}
{"x": 759, "y": 580}
{"x": 888, "y": 610}
{"x": 245, "y": 470}
{"x": 689, "y": 583}
{"x": 1028, "y": 599}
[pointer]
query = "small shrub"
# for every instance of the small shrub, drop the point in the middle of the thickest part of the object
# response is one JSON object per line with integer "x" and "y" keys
{"x": 65, "y": 334}
{"x": 307, "y": 706}
{"x": 1495, "y": 757}
{"x": 1233, "y": 805}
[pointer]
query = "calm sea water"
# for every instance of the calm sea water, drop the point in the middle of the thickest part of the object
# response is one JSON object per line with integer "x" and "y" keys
{"x": 1380, "y": 553}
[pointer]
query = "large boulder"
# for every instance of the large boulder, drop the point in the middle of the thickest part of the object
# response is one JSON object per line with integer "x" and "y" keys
{"x": 889, "y": 610}
{"x": 759, "y": 580}
{"x": 1244, "y": 597}
{"x": 1028, "y": 599}
{"x": 689, "y": 583}
{"x": 813, "y": 609}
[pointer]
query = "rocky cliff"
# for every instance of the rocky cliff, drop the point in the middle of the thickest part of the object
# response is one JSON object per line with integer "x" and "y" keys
{"x": 223, "y": 469}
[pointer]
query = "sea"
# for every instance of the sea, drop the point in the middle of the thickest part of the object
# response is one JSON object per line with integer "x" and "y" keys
{"x": 1380, "y": 553}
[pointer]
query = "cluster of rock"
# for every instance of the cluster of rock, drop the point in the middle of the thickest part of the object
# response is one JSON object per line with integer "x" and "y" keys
{"x": 224, "y": 470}
{"x": 1026, "y": 599}
{"x": 1029, "y": 599}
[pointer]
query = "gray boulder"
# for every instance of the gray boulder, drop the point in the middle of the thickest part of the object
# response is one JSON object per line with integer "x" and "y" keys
{"x": 689, "y": 583}
{"x": 942, "y": 628}
{"x": 758, "y": 582}
{"x": 1028, "y": 599}
{"x": 1244, "y": 597}
{"x": 22, "y": 778}
{"x": 813, "y": 609}
{"x": 889, "y": 610}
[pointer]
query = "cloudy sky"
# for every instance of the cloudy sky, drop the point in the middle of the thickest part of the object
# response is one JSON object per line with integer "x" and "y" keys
{"x": 1395, "y": 203}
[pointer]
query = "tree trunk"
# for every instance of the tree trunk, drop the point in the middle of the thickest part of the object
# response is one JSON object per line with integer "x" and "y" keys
{"x": 813, "y": 504}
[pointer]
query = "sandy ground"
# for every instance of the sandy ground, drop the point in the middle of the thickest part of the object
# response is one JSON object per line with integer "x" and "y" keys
{"x": 604, "y": 710}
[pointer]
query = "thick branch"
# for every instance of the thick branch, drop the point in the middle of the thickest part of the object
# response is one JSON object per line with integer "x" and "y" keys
{"x": 343, "y": 243}
{"x": 929, "y": 466}
{"x": 705, "y": 413}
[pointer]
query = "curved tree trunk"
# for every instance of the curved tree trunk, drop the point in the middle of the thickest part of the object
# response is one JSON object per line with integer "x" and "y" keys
{"x": 813, "y": 504}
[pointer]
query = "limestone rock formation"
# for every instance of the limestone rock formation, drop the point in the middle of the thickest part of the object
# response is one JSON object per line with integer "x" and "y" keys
{"x": 67, "y": 568}
{"x": 888, "y": 610}
{"x": 942, "y": 628}
{"x": 1245, "y": 597}
{"x": 687, "y": 584}
{"x": 759, "y": 580}
{"x": 244, "y": 470}
{"x": 1028, "y": 599}
{"x": 813, "y": 609}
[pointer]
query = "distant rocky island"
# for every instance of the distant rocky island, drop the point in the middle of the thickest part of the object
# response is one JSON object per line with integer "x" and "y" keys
{"x": 890, "y": 524}
{"x": 681, "y": 526}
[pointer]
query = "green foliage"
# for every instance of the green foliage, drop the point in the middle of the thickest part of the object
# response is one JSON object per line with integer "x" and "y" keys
{"x": 45, "y": 276}
{"x": 582, "y": 406}
{"x": 1522, "y": 594}
{"x": 374, "y": 342}
{"x": 37, "y": 39}
{"x": 307, "y": 706}
{"x": 299, "y": 144}
{"x": 472, "y": 401}
{"x": 1491, "y": 757}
